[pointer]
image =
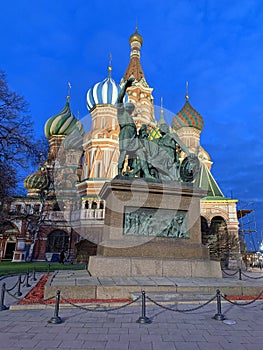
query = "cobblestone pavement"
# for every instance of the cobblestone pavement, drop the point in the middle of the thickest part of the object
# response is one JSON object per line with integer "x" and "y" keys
{"x": 118, "y": 330}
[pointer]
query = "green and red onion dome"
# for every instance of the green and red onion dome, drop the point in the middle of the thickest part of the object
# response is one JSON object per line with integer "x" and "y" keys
{"x": 188, "y": 117}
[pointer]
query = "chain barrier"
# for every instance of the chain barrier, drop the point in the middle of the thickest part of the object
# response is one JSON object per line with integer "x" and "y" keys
{"x": 240, "y": 272}
{"x": 2, "y": 306}
{"x": 10, "y": 289}
{"x": 27, "y": 285}
{"x": 243, "y": 304}
{"x": 14, "y": 296}
{"x": 99, "y": 309}
{"x": 143, "y": 319}
{"x": 23, "y": 279}
{"x": 18, "y": 293}
{"x": 56, "y": 319}
{"x": 181, "y": 310}
{"x": 254, "y": 278}
{"x": 39, "y": 301}
{"x": 218, "y": 316}
{"x": 34, "y": 275}
{"x": 229, "y": 274}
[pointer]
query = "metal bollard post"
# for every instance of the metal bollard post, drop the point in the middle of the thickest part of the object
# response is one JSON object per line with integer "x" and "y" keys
{"x": 56, "y": 319}
{"x": 2, "y": 306}
{"x": 27, "y": 285}
{"x": 18, "y": 293}
{"x": 143, "y": 319}
{"x": 218, "y": 316}
{"x": 240, "y": 274}
{"x": 34, "y": 275}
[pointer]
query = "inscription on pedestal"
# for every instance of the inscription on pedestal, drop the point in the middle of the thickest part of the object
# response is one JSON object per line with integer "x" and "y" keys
{"x": 155, "y": 222}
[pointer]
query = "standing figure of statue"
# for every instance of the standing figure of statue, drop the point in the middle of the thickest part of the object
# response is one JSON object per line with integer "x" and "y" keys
{"x": 129, "y": 143}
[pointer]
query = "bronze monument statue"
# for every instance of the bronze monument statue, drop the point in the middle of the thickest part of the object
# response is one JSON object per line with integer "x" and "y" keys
{"x": 156, "y": 159}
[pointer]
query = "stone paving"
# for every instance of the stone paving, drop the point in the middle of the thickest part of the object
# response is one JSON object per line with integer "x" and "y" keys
{"x": 118, "y": 330}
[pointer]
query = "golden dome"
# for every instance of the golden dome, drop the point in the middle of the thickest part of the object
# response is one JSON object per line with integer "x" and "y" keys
{"x": 136, "y": 37}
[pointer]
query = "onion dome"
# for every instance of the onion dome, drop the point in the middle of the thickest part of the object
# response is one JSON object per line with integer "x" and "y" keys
{"x": 61, "y": 124}
{"x": 105, "y": 92}
{"x": 188, "y": 117}
{"x": 136, "y": 37}
{"x": 36, "y": 181}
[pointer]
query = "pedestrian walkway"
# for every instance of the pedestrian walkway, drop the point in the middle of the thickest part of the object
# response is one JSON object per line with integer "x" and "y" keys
{"x": 174, "y": 326}
{"x": 118, "y": 330}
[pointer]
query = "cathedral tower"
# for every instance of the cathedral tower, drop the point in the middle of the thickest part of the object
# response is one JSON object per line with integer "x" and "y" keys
{"x": 139, "y": 93}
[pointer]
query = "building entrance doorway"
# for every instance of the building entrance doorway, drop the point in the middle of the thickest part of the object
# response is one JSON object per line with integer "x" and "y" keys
{"x": 9, "y": 251}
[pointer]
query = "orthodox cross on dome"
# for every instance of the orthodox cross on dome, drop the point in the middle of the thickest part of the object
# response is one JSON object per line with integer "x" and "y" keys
{"x": 69, "y": 88}
{"x": 110, "y": 66}
{"x": 186, "y": 91}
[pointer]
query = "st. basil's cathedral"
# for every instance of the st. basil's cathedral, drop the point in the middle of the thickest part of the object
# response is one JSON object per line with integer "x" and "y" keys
{"x": 63, "y": 211}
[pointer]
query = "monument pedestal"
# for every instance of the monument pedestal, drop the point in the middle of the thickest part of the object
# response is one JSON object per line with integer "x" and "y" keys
{"x": 152, "y": 229}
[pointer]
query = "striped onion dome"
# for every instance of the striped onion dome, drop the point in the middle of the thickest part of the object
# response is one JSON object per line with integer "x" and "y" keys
{"x": 104, "y": 92}
{"x": 36, "y": 181}
{"x": 62, "y": 123}
{"x": 188, "y": 117}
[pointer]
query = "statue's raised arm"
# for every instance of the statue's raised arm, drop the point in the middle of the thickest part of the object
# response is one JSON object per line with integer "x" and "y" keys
{"x": 122, "y": 93}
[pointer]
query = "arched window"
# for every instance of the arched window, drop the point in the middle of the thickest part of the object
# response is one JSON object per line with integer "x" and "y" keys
{"x": 94, "y": 205}
{"x": 57, "y": 241}
{"x": 217, "y": 240}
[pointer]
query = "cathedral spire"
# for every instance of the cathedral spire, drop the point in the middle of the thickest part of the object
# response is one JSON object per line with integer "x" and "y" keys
{"x": 134, "y": 68}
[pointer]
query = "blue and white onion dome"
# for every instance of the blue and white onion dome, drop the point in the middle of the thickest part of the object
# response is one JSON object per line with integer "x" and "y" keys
{"x": 104, "y": 92}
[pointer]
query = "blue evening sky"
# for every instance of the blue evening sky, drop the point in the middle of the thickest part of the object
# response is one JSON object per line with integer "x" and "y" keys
{"x": 216, "y": 45}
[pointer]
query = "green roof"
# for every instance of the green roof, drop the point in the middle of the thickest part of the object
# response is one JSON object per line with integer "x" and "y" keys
{"x": 209, "y": 184}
